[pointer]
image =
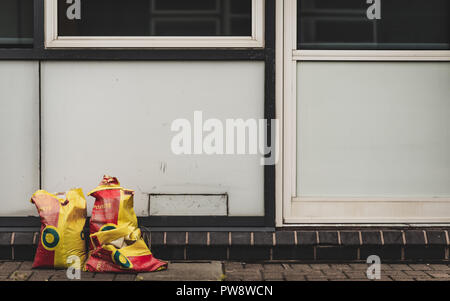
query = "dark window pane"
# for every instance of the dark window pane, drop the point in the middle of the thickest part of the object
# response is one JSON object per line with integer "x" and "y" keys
{"x": 157, "y": 18}
{"x": 16, "y": 23}
{"x": 402, "y": 25}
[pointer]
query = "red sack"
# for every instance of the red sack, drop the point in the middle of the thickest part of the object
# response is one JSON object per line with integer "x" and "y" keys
{"x": 62, "y": 233}
{"x": 116, "y": 244}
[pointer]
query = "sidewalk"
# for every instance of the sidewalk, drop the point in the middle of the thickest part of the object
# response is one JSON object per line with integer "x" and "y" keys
{"x": 234, "y": 271}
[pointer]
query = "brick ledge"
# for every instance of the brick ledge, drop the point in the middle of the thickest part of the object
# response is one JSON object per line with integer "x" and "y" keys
{"x": 322, "y": 245}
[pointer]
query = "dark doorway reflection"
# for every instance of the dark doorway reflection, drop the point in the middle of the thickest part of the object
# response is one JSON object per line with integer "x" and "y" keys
{"x": 157, "y": 18}
{"x": 16, "y": 23}
{"x": 402, "y": 25}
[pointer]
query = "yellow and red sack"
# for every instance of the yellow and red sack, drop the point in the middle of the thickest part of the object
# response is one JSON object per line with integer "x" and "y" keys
{"x": 116, "y": 244}
{"x": 62, "y": 226}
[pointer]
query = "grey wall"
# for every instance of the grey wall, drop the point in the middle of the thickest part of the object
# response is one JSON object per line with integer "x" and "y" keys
{"x": 373, "y": 129}
{"x": 19, "y": 136}
{"x": 115, "y": 118}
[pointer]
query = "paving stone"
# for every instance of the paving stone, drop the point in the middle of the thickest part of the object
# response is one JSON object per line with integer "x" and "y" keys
{"x": 26, "y": 266}
{"x": 423, "y": 278}
{"x": 125, "y": 277}
{"x": 333, "y": 273}
{"x": 104, "y": 276}
{"x": 415, "y": 273}
{"x": 252, "y": 266}
{"x": 359, "y": 266}
{"x": 8, "y": 267}
{"x": 273, "y": 268}
{"x": 395, "y": 273}
{"x": 187, "y": 272}
{"x": 233, "y": 266}
{"x": 237, "y": 271}
{"x": 320, "y": 266}
{"x": 356, "y": 275}
{"x": 316, "y": 278}
{"x": 41, "y": 275}
{"x": 272, "y": 276}
{"x": 420, "y": 267}
{"x": 439, "y": 274}
{"x": 251, "y": 275}
{"x": 301, "y": 267}
{"x": 293, "y": 276}
{"x": 400, "y": 267}
{"x": 439, "y": 267}
{"x": 341, "y": 267}
{"x": 20, "y": 275}
{"x": 401, "y": 278}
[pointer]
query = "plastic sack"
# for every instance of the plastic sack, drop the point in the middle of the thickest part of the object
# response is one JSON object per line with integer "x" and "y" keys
{"x": 116, "y": 244}
{"x": 62, "y": 223}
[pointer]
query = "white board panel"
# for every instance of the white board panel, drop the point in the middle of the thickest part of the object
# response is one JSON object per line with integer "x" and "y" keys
{"x": 115, "y": 118}
{"x": 19, "y": 136}
{"x": 373, "y": 129}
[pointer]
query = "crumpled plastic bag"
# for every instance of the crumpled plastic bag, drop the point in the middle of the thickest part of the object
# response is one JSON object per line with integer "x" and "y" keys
{"x": 62, "y": 223}
{"x": 116, "y": 244}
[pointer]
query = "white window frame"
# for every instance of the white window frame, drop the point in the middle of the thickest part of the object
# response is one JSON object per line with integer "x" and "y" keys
{"x": 287, "y": 102}
{"x": 52, "y": 40}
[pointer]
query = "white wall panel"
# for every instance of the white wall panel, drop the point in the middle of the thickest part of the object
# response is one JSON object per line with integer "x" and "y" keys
{"x": 373, "y": 129}
{"x": 19, "y": 137}
{"x": 115, "y": 118}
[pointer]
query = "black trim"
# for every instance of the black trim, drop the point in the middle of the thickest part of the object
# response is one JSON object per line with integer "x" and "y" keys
{"x": 20, "y": 221}
{"x": 203, "y": 221}
{"x": 134, "y": 54}
{"x": 269, "y": 110}
{"x": 267, "y": 55}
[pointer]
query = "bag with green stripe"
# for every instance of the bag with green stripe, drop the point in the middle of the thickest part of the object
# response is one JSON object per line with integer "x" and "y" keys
{"x": 116, "y": 243}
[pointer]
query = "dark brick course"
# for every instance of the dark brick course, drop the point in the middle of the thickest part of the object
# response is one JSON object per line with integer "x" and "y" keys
{"x": 307, "y": 238}
{"x": 350, "y": 238}
{"x": 328, "y": 238}
{"x": 263, "y": 238}
{"x": 219, "y": 238}
{"x": 285, "y": 238}
{"x": 323, "y": 245}
{"x": 414, "y": 237}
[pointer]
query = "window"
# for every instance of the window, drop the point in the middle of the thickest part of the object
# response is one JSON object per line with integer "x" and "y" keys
{"x": 390, "y": 25}
{"x": 364, "y": 91}
{"x": 16, "y": 23}
{"x": 154, "y": 23}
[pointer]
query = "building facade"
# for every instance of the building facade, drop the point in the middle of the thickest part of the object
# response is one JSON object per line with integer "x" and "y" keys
{"x": 276, "y": 129}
